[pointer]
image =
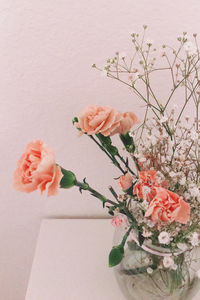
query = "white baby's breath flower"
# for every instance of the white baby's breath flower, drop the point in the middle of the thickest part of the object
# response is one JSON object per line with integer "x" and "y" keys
{"x": 164, "y": 238}
{"x": 148, "y": 143}
{"x": 146, "y": 233}
{"x": 187, "y": 196}
{"x": 142, "y": 159}
{"x": 182, "y": 181}
{"x": 131, "y": 133}
{"x": 145, "y": 205}
{"x": 149, "y": 270}
{"x": 194, "y": 135}
{"x": 167, "y": 169}
{"x": 163, "y": 119}
{"x": 122, "y": 55}
{"x": 160, "y": 177}
{"x": 193, "y": 190}
{"x": 190, "y": 48}
{"x": 174, "y": 267}
{"x": 147, "y": 260}
{"x": 149, "y": 42}
{"x": 182, "y": 157}
{"x": 172, "y": 174}
{"x": 134, "y": 204}
{"x": 182, "y": 36}
{"x": 182, "y": 246}
{"x": 194, "y": 239}
{"x": 137, "y": 155}
{"x": 136, "y": 75}
{"x": 153, "y": 140}
{"x": 168, "y": 262}
{"x": 149, "y": 223}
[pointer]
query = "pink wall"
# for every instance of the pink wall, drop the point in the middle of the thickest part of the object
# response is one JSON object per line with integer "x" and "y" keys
{"x": 46, "y": 51}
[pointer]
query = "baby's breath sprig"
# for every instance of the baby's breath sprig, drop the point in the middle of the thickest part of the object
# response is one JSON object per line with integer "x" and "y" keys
{"x": 181, "y": 63}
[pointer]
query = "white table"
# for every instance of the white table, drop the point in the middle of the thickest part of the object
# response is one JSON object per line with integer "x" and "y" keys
{"x": 71, "y": 262}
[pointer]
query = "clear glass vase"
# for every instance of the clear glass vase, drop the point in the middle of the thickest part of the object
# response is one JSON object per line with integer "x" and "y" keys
{"x": 138, "y": 281}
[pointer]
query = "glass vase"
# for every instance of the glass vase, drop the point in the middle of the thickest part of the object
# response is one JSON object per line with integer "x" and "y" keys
{"x": 139, "y": 280}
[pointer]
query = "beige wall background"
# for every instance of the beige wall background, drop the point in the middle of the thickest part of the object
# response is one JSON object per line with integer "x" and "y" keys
{"x": 47, "y": 48}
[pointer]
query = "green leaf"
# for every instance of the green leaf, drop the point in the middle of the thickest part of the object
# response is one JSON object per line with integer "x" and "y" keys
{"x": 128, "y": 142}
{"x": 75, "y": 120}
{"x": 111, "y": 213}
{"x": 68, "y": 180}
{"x": 107, "y": 144}
{"x": 111, "y": 149}
{"x": 105, "y": 140}
{"x": 116, "y": 255}
{"x": 129, "y": 191}
{"x": 141, "y": 238}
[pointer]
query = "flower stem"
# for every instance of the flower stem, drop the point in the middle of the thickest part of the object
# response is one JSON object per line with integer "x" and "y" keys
{"x": 126, "y": 236}
{"x": 126, "y": 165}
{"x": 112, "y": 158}
{"x": 85, "y": 186}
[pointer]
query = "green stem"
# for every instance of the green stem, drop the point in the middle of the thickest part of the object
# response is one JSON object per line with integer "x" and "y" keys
{"x": 136, "y": 163}
{"x": 126, "y": 236}
{"x": 113, "y": 159}
{"x": 140, "y": 270}
{"x": 122, "y": 206}
{"x": 113, "y": 193}
{"x": 85, "y": 186}
{"x": 125, "y": 211}
{"x": 126, "y": 165}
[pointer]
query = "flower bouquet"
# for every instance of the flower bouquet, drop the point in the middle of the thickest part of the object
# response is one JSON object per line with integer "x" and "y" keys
{"x": 157, "y": 213}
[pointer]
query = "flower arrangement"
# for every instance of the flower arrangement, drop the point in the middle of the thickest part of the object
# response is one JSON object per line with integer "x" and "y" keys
{"x": 159, "y": 170}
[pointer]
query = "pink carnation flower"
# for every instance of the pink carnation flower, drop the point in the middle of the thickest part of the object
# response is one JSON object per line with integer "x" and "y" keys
{"x": 128, "y": 121}
{"x": 99, "y": 119}
{"x": 105, "y": 120}
{"x": 125, "y": 181}
{"x": 145, "y": 187}
{"x": 36, "y": 169}
{"x": 168, "y": 207}
{"x": 119, "y": 220}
